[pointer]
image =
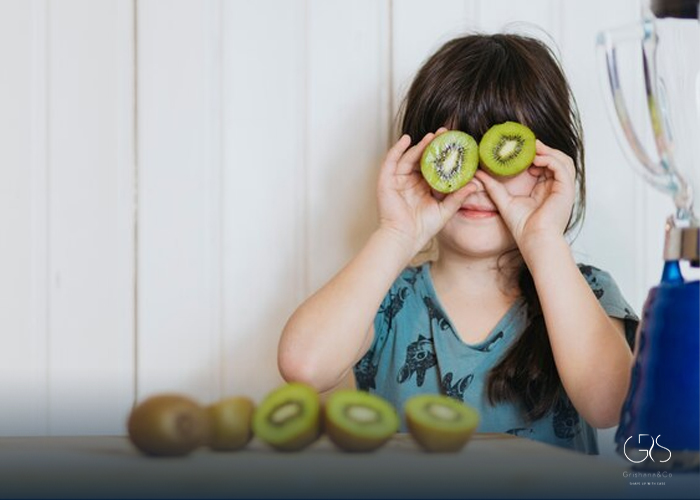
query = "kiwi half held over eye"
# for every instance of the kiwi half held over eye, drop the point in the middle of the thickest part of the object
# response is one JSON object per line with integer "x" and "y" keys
{"x": 168, "y": 425}
{"x": 359, "y": 421}
{"x": 289, "y": 418}
{"x": 507, "y": 148}
{"x": 450, "y": 161}
{"x": 440, "y": 423}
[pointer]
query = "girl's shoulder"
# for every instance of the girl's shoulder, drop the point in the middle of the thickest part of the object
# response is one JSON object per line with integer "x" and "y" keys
{"x": 611, "y": 298}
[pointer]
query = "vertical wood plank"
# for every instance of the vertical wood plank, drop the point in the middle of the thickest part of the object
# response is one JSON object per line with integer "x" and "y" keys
{"x": 347, "y": 130}
{"x": 264, "y": 185}
{"x": 23, "y": 221}
{"x": 612, "y": 236}
{"x": 91, "y": 209}
{"x": 416, "y": 36}
{"x": 522, "y": 17}
{"x": 179, "y": 183}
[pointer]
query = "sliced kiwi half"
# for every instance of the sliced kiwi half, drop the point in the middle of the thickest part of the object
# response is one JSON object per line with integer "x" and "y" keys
{"x": 450, "y": 161}
{"x": 168, "y": 425}
{"x": 440, "y": 423}
{"x": 288, "y": 419}
{"x": 507, "y": 148}
{"x": 359, "y": 421}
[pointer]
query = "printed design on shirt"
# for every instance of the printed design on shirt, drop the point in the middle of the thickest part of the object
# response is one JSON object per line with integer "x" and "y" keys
{"x": 393, "y": 305}
{"x": 566, "y": 421}
{"x": 591, "y": 275}
{"x": 435, "y": 313}
{"x": 520, "y": 431}
{"x": 366, "y": 372}
{"x": 420, "y": 357}
{"x": 366, "y": 368}
{"x": 457, "y": 390}
{"x": 410, "y": 276}
{"x": 488, "y": 346}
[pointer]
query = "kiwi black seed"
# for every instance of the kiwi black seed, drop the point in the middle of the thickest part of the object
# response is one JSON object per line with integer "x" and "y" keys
{"x": 450, "y": 161}
{"x": 440, "y": 423}
{"x": 289, "y": 418}
{"x": 168, "y": 425}
{"x": 507, "y": 148}
{"x": 359, "y": 421}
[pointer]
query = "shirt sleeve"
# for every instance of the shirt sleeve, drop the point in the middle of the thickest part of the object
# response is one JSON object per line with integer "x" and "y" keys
{"x": 612, "y": 300}
{"x": 365, "y": 370}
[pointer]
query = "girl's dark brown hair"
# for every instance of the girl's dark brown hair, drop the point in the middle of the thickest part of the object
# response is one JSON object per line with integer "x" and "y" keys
{"x": 472, "y": 83}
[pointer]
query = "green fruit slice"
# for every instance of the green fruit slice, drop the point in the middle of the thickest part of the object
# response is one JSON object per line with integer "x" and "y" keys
{"x": 288, "y": 419}
{"x": 440, "y": 423}
{"x": 450, "y": 161}
{"x": 507, "y": 149}
{"x": 230, "y": 423}
{"x": 168, "y": 425}
{"x": 359, "y": 421}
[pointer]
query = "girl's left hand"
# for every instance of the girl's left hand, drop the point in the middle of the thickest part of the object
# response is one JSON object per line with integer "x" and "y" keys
{"x": 546, "y": 211}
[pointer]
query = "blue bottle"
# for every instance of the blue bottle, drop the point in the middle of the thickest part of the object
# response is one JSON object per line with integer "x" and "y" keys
{"x": 660, "y": 422}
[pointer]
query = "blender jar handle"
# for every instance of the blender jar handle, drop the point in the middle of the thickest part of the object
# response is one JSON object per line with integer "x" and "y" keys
{"x": 659, "y": 174}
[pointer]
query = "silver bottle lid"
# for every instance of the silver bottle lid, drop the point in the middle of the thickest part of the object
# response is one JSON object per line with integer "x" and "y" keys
{"x": 682, "y": 242}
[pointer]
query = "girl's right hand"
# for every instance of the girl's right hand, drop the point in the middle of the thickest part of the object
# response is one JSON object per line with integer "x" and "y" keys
{"x": 407, "y": 207}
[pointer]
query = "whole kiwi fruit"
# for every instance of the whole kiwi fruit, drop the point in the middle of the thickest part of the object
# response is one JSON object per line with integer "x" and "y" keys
{"x": 168, "y": 425}
{"x": 450, "y": 161}
{"x": 440, "y": 423}
{"x": 359, "y": 421}
{"x": 507, "y": 149}
{"x": 230, "y": 423}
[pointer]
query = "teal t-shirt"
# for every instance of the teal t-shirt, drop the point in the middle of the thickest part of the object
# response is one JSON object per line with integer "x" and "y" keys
{"x": 416, "y": 350}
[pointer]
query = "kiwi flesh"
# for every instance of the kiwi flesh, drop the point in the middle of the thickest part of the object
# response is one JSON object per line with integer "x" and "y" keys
{"x": 230, "y": 422}
{"x": 450, "y": 161}
{"x": 440, "y": 423}
{"x": 289, "y": 418}
{"x": 359, "y": 421}
{"x": 168, "y": 425}
{"x": 507, "y": 149}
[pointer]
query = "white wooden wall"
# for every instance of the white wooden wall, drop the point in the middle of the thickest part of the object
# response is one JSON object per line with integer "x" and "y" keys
{"x": 175, "y": 177}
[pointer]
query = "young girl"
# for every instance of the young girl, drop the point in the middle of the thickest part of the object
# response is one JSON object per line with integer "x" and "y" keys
{"x": 503, "y": 319}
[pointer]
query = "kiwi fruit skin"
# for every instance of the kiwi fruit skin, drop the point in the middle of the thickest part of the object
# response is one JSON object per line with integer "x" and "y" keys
{"x": 445, "y": 150}
{"x": 352, "y": 435}
{"x": 230, "y": 423}
{"x": 435, "y": 434}
{"x": 514, "y": 137}
{"x": 168, "y": 425}
{"x": 299, "y": 407}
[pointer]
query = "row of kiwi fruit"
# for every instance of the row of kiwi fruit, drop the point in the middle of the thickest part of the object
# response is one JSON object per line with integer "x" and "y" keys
{"x": 451, "y": 159}
{"x": 292, "y": 417}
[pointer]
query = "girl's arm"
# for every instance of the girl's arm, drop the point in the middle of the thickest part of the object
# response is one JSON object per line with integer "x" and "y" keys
{"x": 333, "y": 329}
{"x": 589, "y": 348}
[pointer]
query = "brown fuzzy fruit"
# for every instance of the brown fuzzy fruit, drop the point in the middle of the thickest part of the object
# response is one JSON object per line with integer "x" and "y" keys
{"x": 231, "y": 423}
{"x": 168, "y": 425}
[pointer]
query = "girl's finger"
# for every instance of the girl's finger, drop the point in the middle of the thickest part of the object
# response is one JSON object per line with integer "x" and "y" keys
{"x": 453, "y": 201}
{"x": 542, "y": 149}
{"x": 409, "y": 160}
{"x": 496, "y": 191}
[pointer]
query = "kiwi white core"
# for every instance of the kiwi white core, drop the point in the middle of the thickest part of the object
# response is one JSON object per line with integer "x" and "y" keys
{"x": 442, "y": 412}
{"x": 285, "y": 412}
{"x": 362, "y": 414}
